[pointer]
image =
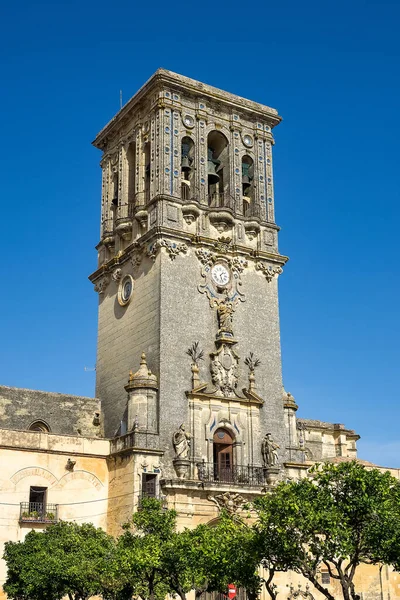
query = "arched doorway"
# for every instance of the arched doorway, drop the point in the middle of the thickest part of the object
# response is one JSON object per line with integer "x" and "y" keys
{"x": 223, "y": 455}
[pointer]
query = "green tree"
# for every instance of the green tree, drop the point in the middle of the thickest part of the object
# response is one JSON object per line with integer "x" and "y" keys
{"x": 339, "y": 517}
{"x": 66, "y": 559}
{"x": 156, "y": 559}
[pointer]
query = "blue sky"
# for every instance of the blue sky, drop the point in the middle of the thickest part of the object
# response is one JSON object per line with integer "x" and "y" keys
{"x": 332, "y": 71}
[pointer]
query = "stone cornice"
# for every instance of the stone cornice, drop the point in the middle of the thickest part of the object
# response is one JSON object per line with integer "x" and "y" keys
{"x": 177, "y": 241}
{"x": 180, "y": 82}
{"x": 250, "y": 398}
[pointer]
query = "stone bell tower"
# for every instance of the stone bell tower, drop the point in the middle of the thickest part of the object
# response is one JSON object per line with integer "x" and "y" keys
{"x": 188, "y": 267}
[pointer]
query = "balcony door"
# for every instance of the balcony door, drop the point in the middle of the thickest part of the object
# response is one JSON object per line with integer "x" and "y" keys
{"x": 223, "y": 455}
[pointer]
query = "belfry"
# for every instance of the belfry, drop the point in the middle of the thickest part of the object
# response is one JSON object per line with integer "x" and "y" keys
{"x": 188, "y": 268}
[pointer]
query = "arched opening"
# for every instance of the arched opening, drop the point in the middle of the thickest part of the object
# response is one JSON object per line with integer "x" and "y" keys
{"x": 147, "y": 172}
{"x": 247, "y": 185}
{"x": 131, "y": 160}
{"x": 39, "y": 426}
{"x": 187, "y": 170}
{"x": 218, "y": 169}
{"x": 114, "y": 186}
{"x": 223, "y": 455}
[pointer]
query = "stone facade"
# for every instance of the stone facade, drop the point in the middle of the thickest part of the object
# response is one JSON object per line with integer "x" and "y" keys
{"x": 191, "y": 404}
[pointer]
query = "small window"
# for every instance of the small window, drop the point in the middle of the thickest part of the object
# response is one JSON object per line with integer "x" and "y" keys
{"x": 325, "y": 577}
{"x": 149, "y": 485}
{"x": 39, "y": 426}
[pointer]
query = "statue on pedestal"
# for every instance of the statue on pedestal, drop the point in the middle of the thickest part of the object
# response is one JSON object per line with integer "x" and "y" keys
{"x": 181, "y": 442}
{"x": 269, "y": 451}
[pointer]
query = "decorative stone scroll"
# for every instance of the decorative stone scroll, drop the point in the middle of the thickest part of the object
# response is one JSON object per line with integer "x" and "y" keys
{"x": 117, "y": 274}
{"x": 172, "y": 248}
{"x": 101, "y": 284}
{"x": 268, "y": 271}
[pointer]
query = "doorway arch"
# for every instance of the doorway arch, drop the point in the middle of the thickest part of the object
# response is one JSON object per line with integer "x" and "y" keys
{"x": 223, "y": 455}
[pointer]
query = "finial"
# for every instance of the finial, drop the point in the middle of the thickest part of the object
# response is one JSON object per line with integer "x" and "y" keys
{"x": 143, "y": 359}
{"x": 196, "y": 355}
{"x": 252, "y": 362}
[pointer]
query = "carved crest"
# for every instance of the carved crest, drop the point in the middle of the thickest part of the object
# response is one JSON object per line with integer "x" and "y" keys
{"x": 230, "y": 501}
{"x": 224, "y": 369}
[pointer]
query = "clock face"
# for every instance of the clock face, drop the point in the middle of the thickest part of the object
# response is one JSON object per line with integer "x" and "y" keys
{"x": 220, "y": 274}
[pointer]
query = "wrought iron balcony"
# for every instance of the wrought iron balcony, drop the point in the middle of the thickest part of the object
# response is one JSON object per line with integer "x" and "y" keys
{"x": 247, "y": 475}
{"x": 38, "y": 512}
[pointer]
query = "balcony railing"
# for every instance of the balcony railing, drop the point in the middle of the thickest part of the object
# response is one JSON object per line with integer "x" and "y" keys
{"x": 38, "y": 512}
{"x": 221, "y": 200}
{"x": 238, "y": 474}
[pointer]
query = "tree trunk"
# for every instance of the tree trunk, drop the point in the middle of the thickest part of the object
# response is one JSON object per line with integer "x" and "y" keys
{"x": 318, "y": 586}
{"x": 269, "y": 585}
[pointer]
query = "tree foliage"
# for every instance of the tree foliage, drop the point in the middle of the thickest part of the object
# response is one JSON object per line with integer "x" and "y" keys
{"x": 339, "y": 517}
{"x": 64, "y": 560}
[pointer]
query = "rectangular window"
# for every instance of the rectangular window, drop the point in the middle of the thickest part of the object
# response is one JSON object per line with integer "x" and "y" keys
{"x": 149, "y": 485}
{"x": 325, "y": 577}
{"x": 37, "y": 500}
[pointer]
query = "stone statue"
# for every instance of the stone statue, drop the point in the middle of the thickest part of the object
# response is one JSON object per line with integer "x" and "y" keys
{"x": 181, "y": 442}
{"x": 224, "y": 313}
{"x": 269, "y": 451}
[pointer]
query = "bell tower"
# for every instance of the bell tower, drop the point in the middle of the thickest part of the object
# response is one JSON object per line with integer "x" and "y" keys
{"x": 188, "y": 267}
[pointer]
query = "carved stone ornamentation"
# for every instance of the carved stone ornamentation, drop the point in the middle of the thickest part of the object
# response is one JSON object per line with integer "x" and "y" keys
{"x": 136, "y": 259}
{"x": 223, "y": 245}
{"x": 268, "y": 271}
{"x": 172, "y": 248}
{"x": 101, "y": 284}
{"x": 224, "y": 369}
{"x": 230, "y": 501}
{"x": 215, "y": 293}
{"x": 252, "y": 362}
{"x": 117, "y": 274}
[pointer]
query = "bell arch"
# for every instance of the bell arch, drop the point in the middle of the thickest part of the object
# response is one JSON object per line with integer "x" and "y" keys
{"x": 248, "y": 185}
{"x": 218, "y": 169}
{"x": 131, "y": 163}
{"x": 187, "y": 167}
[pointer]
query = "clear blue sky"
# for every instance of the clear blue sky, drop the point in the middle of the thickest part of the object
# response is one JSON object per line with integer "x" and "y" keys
{"x": 332, "y": 71}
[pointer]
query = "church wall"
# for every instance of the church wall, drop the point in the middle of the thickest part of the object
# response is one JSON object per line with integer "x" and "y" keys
{"x": 63, "y": 413}
{"x": 124, "y": 332}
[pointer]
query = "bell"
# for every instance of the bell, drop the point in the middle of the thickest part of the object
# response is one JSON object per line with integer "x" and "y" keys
{"x": 212, "y": 163}
{"x": 185, "y": 164}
